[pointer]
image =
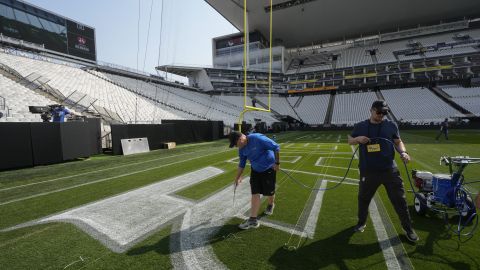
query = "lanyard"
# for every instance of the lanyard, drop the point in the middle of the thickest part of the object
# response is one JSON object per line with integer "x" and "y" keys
{"x": 378, "y": 131}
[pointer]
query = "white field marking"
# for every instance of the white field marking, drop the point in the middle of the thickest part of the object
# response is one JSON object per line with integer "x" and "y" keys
{"x": 287, "y": 142}
{"x": 316, "y": 152}
{"x": 353, "y": 150}
{"x": 201, "y": 222}
{"x": 290, "y": 145}
{"x": 311, "y": 224}
{"x": 320, "y": 174}
{"x": 302, "y": 137}
{"x": 101, "y": 170}
{"x": 274, "y": 225}
{"x": 294, "y": 160}
{"x": 329, "y": 136}
{"x": 307, "y": 144}
{"x": 303, "y": 149}
{"x": 383, "y": 239}
{"x": 121, "y": 221}
{"x": 344, "y": 183}
{"x": 335, "y": 148}
{"x": 320, "y": 161}
{"x": 14, "y": 240}
{"x": 342, "y": 158}
{"x": 338, "y": 138}
{"x": 335, "y": 167}
{"x": 105, "y": 179}
{"x": 233, "y": 159}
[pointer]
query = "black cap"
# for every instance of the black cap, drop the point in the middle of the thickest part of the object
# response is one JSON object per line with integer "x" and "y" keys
{"x": 380, "y": 106}
{"x": 233, "y": 138}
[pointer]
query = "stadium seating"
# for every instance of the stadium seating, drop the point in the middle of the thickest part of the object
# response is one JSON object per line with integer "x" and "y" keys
{"x": 203, "y": 105}
{"x": 468, "y": 98}
{"x": 418, "y": 105}
{"x": 68, "y": 80}
{"x": 18, "y": 98}
{"x": 278, "y": 104}
{"x": 358, "y": 56}
{"x": 352, "y": 108}
{"x": 312, "y": 109}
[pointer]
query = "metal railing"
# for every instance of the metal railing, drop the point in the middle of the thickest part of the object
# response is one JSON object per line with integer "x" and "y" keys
{"x": 3, "y": 104}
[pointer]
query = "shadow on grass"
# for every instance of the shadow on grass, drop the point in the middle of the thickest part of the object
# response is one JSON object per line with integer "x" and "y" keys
{"x": 331, "y": 251}
{"x": 164, "y": 246}
{"x": 440, "y": 245}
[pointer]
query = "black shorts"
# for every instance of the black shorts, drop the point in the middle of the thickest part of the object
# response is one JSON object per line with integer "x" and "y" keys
{"x": 263, "y": 182}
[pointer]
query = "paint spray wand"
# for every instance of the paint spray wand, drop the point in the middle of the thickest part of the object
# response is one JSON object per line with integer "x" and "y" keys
{"x": 235, "y": 185}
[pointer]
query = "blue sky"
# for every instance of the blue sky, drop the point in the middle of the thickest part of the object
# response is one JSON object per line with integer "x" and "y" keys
{"x": 188, "y": 29}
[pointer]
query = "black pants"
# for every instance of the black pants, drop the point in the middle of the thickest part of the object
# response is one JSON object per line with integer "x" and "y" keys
{"x": 369, "y": 183}
{"x": 445, "y": 132}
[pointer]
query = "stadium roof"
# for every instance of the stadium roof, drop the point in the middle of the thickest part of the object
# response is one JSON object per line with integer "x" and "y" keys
{"x": 307, "y": 22}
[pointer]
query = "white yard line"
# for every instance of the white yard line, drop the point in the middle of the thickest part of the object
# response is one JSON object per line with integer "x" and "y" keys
{"x": 307, "y": 144}
{"x": 353, "y": 150}
{"x": 335, "y": 167}
{"x": 383, "y": 239}
{"x": 316, "y": 152}
{"x": 314, "y": 212}
{"x": 320, "y": 174}
{"x": 104, "y": 179}
{"x": 302, "y": 137}
{"x": 319, "y": 161}
{"x": 101, "y": 170}
{"x": 294, "y": 160}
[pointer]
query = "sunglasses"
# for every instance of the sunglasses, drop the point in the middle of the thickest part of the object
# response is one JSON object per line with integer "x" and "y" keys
{"x": 381, "y": 113}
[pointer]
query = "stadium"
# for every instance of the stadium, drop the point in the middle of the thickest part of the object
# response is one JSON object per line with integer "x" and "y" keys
{"x": 110, "y": 167}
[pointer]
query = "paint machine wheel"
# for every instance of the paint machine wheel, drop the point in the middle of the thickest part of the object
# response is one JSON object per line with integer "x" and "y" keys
{"x": 465, "y": 221}
{"x": 420, "y": 204}
{"x": 468, "y": 218}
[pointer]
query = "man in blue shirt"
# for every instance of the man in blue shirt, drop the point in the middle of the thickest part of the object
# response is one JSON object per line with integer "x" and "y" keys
{"x": 264, "y": 157}
{"x": 59, "y": 114}
{"x": 377, "y": 165}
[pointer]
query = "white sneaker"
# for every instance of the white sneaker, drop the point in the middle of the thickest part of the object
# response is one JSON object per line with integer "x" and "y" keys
{"x": 249, "y": 223}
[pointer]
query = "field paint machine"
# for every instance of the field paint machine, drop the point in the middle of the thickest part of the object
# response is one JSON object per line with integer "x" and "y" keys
{"x": 448, "y": 195}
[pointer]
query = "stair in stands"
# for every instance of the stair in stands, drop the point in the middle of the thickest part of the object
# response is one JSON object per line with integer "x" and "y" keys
{"x": 331, "y": 104}
{"x": 445, "y": 97}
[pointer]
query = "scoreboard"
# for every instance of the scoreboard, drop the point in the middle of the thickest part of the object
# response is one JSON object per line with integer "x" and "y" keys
{"x": 23, "y": 21}
{"x": 80, "y": 40}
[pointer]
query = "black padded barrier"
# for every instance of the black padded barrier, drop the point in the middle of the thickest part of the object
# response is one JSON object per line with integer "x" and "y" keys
{"x": 31, "y": 144}
{"x": 178, "y": 131}
{"x": 15, "y": 146}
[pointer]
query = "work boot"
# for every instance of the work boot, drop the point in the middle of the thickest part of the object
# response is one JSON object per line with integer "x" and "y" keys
{"x": 359, "y": 227}
{"x": 411, "y": 235}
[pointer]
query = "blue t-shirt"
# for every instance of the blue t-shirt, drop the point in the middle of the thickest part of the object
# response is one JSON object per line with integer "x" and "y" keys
{"x": 260, "y": 151}
{"x": 59, "y": 115}
{"x": 383, "y": 159}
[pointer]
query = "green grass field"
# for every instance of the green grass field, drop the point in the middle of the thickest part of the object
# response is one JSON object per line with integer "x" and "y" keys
{"x": 30, "y": 194}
